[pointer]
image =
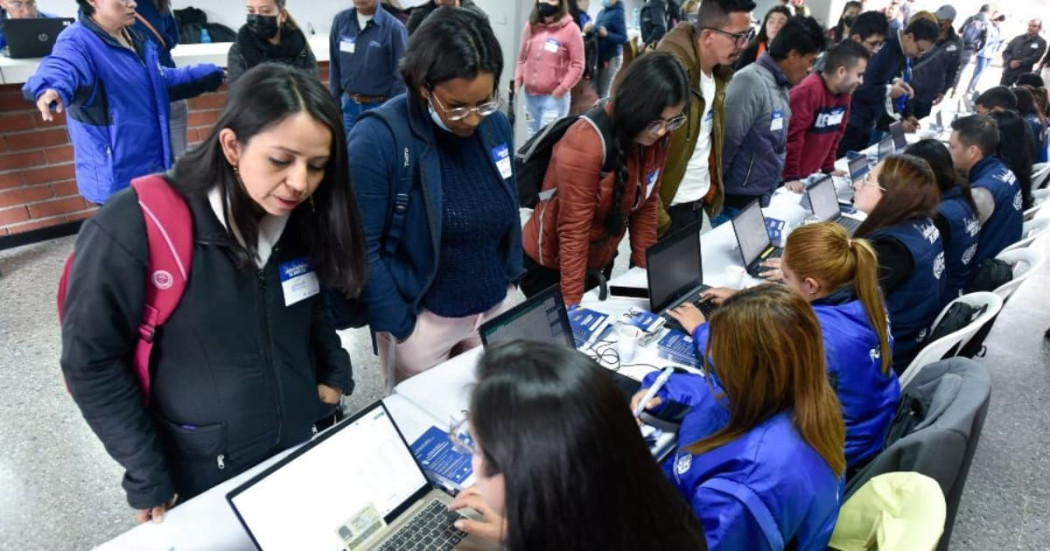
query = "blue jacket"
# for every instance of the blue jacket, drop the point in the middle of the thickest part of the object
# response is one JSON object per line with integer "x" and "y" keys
{"x": 761, "y": 492}
{"x": 1006, "y": 225}
{"x": 165, "y": 24}
{"x": 960, "y": 244}
{"x": 757, "y": 113}
{"x": 914, "y": 304}
{"x": 365, "y": 61}
{"x": 117, "y": 102}
{"x": 397, "y": 283}
{"x": 869, "y": 100}
{"x": 612, "y": 19}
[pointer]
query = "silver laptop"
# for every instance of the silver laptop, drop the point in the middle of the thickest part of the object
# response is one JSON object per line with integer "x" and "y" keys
{"x": 900, "y": 141}
{"x": 825, "y": 204}
{"x": 356, "y": 487}
{"x": 885, "y": 148}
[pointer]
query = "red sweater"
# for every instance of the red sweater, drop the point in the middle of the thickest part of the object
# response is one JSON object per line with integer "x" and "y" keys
{"x": 818, "y": 119}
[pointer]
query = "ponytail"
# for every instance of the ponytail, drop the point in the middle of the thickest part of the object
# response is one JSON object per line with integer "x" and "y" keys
{"x": 866, "y": 285}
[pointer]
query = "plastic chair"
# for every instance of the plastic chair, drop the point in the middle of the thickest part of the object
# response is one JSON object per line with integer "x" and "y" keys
{"x": 1039, "y": 201}
{"x": 1040, "y": 176}
{"x": 1032, "y": 230}
{"x": 951, "y": 342}
{"x": 901, "y": 510}
{"x": 1025, "y": 262}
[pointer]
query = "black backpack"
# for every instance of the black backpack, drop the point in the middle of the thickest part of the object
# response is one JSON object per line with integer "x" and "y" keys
{"x": 590, "y": 56}
{"x": 959, "y": 315}
{"x": 991, "y": 274}
{"x": 531, "y": 160}
{"x": 972, "y": 34}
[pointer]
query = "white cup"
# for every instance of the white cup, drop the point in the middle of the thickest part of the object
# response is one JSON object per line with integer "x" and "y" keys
{"x": 735, "y": 276}
{"x": 627, "y": 344}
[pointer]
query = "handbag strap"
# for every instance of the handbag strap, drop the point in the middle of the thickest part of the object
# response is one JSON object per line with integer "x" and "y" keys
{"x": 145, "y": 22}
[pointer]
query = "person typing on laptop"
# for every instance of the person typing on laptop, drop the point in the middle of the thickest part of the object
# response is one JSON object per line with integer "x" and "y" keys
{"x": 19, "y": 9}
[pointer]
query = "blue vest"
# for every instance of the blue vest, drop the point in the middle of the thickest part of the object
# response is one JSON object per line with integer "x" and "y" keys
{"x": 960, "y": 248}
{"x": 915, "y": 303}
{"x": 1004, "y": 228}
{"x": 868, "y": 397}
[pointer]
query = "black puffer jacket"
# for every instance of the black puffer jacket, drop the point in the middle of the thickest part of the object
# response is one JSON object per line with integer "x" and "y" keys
{"x": 234, "y": 371}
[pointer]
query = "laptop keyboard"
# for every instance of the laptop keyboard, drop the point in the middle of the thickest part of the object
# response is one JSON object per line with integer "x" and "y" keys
{"x": 851, "y": 224}
{"x": 430, "y": 529}
{"x": 706, "y": 307}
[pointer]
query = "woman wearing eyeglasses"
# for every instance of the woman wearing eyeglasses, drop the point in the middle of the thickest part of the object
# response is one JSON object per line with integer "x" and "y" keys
{"x": 579, "y": 228}
{"x": 900, "y": 197}
{"x": 432, "y": 173}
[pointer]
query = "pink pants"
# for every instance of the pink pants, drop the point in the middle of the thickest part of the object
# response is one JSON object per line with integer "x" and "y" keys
{"x": 434, "y": 340}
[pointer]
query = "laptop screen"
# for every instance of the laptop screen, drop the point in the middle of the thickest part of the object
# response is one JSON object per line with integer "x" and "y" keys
{"x": 362, "y": 469}
{"x": 823, "y": 199}
{"x": 541, "y": 318}
{"x": 885, "y": 148}
{"x": 897, "y": 133}
{"x": 751, "y": 233}
{"x": 858, "y": 167}
{"x": 674, "y": 267}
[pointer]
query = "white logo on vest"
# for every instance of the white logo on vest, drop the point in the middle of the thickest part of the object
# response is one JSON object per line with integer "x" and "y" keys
{"x": 683, "y": 464}
{"x": 938, "y": 266}
{"x": 162, "y": 280}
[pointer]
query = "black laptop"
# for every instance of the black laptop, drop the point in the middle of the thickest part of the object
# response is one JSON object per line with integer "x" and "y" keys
{"x": 825, "y": 204}
{"x": 675, "y": 270}
{"x": 897, "y": 133}
{"x": 30, "y": 38}
{"x": 752, "y": 237}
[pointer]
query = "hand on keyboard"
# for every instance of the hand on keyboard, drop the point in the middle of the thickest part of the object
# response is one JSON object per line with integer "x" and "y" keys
{"x": 688, "y": 316}
{"x": 491, "y": 527}
{"x": 771, "y": 270}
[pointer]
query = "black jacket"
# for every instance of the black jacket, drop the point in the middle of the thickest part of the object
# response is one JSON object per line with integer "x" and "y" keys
{"x": 234, "y": 371}
{"x": 422, "y": 12}
{"x": 937, "y": 70}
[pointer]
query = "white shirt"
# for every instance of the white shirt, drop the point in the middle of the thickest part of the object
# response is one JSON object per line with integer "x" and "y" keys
{"x": 362, "y": 20}
{"x": 696, "y": 181}
{"x": 270, "y": 228}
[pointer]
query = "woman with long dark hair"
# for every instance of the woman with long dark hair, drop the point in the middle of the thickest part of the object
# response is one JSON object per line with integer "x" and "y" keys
{"x": 1035, "y": 118}
{"x": 841, "y": 30}
{"x": 1015, "y": 150}
{"x": 900, "y": 197}
{"x": 269, "y": 35}
{"x": 775, "y": 19}
{"x": 249, "y": 360}
{"x": 560, "y": 462}
{"x": 760, "y": 454}
{"x": 956, "y": 217}
{"x": 579, "y": 228}
{"x": 432, "y": 172}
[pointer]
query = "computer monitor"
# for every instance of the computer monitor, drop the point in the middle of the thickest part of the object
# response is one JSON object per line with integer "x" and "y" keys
{"x": 675, "y": 267}
{"x": 541, "y": 318}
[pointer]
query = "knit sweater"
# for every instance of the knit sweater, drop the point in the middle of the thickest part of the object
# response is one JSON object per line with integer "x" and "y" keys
{"x": 818, "y": 119}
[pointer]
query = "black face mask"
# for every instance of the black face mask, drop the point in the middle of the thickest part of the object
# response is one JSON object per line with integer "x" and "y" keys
{"x": 546, "y": 10}
{"x": 264, "y": 26}
{"x": 848, "y": 20}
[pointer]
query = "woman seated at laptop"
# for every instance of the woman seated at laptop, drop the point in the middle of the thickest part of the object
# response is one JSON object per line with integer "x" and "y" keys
{"x": 760, "y": 453}
{"x": 956, "y": 217}
{"x": 838, "y": 276}
{"x": 561, "y": 463}
{"x": 579, "y": 229}
{"x": 249, "y": 360}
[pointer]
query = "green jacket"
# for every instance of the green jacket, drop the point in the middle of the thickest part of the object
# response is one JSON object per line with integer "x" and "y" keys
{"x": 682, "y": 42}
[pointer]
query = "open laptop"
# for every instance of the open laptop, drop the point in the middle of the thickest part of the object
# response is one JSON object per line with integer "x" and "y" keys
{"x": 825, "y": 204}
{"x": 675, "y": 270}
{"x": 30, "y": 38}
{"x": 858, "y": 169}
{"x": 885, "y": 148}
{"x": 356, "y": 486}
{"x": 753, "y": 239}
{"x": 897, "y": 133}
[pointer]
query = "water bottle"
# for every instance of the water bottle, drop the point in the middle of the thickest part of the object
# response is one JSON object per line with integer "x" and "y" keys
{"x": 205, "y": 36}
{"x": 636, "y": 18}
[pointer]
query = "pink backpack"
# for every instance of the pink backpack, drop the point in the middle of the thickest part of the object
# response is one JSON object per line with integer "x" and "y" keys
{"x": 169, "y": 235}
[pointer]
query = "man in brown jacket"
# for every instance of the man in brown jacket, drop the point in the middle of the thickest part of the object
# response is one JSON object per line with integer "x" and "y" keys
{"x": 693, "y": 175}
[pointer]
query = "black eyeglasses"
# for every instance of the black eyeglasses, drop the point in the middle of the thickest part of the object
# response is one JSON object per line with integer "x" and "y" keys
{"x": 741, "y": 38}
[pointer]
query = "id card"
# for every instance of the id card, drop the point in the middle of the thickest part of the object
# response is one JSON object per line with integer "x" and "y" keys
{"x": 552, "y": 45}
{"x": 298, "y": 281}
{"x": 347, "y": 45}
{"x": 501, "y": 155}
{"x": 777, "y": 121}
{"x": 360, "y": 528}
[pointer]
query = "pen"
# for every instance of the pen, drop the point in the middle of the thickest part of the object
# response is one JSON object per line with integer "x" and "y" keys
{"x": 661, "y": 380}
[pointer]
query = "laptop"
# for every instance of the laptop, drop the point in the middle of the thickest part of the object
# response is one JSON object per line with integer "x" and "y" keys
{"x": 968, "y": 104}
{"x": 356, "y": 486}
{"x": 825, "y": 204}
{"x": 753, "y": 239}
{"x": 675, "y": 270}
{"x": 897, "y": 133}
{"x": 858, "y": 168}
{"x": 30, "y": 38}
{"x": 885, "y": 148}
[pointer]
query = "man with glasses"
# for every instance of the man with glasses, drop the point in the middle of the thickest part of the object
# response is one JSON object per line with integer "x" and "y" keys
{"x": 18, "y": 9}
{"x": 692, "y": 179}
{"x": 1023, "y": 52}
{"x": 885, "y": 82}
{"x": 758, "y": 113}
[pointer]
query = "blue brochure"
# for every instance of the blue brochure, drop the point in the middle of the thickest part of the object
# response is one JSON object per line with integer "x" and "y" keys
{"x": 442, "y": 464}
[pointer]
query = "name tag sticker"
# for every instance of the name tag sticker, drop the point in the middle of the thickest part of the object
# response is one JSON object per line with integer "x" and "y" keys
{"x": 298, "y": 281}
{"x": 347, "y": 45}
{"x": 650, "y": 182}
{"x": 710, "y": 116}
{"x": 552, "y": 45}
{"x": 1035, "y": 46}
{"x": 777, "y": 121}
{"x": 501, "y": 155}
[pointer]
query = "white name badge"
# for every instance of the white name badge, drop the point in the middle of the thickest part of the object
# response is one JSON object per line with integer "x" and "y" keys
{"x": 1035, "y": 46}
{"x": 298, "y": 281}
{"x": 650, "y": 182}
{"x": 552, "y": 45}
{"x": 501, "y": 155}
{"x": 777, "y": 122}
{"x": 347, "y": 45}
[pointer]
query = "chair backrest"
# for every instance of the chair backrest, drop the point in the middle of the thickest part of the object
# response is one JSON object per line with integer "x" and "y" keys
{"x": 903, "y": 510}
{"x": 1025, "y": 262}
{"x": 1040, "y": 176}
{"x": 936, "y": 430}
{"x": 1033, "y": 229}
{"x": 956, "y": 340}
{"x": 1039, "y": 198}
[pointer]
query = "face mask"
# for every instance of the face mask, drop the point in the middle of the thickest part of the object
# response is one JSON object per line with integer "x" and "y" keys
{"x": 848, "y": 20}
{"x": 607, "y": 3}
{"x": 437, "y": 118}
{"x": 264, "y": 26}
{"x": 546, "y": 10}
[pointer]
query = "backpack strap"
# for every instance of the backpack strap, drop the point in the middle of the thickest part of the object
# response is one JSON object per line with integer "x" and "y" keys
{"x": 602, "y": 124}
{"x": 169, "y": 238}
{"x": 405, "y": 147}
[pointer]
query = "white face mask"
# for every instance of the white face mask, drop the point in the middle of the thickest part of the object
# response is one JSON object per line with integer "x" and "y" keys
{"x": 437, "y": 118}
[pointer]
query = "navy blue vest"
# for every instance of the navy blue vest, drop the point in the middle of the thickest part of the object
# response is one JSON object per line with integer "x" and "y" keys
{"x": 915, "y": 303}
{"x": 1004, "y": 228}
{"x": 960, "y": 248}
